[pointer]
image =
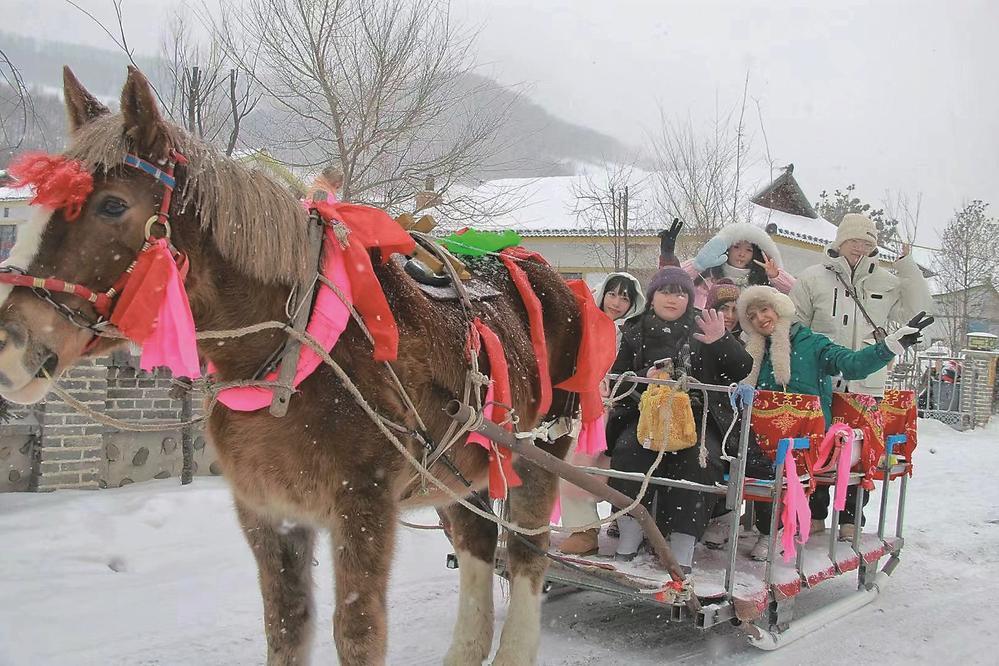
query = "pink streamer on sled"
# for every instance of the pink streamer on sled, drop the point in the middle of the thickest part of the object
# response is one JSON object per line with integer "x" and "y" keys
{"x": 796, "y": 516}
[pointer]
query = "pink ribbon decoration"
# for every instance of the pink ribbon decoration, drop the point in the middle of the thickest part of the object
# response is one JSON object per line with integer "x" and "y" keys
{"x": 172, "y": 343}
{"x": 328, "y": 321}
{"x": 593, "y": 437}
{"x": 843, "y": 463}
{"x": 796, "y": 515}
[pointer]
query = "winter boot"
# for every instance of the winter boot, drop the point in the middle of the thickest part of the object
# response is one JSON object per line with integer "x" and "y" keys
{"x": 846, "y": 531}
{"x": 716, "y": 536}
{"x": 581, "y": 544}
{"x": 630, "y": 540}
{"x": 682, "y": 546}
{"x": 818, "y": 526}
{"x": 761, "y": 549}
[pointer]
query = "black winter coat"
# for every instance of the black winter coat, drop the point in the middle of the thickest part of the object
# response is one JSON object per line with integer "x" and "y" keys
{"x": 648, "y": 339}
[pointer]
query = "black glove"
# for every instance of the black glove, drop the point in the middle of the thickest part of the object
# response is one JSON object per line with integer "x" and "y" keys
{"x": 667, "y": 237}
{"x": 908, "y": 335}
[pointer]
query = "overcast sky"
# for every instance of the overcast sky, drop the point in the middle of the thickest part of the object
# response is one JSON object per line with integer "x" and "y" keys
{"x": 895, "y": 94}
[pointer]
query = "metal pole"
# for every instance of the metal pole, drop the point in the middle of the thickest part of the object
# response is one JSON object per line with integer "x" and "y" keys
{"x": 735, "y": 499}
{"x": 882, "y": 516}
{"x": 774, "y": 523}
{"x": 901, "y": 504}
{"x": 858, "y": 517}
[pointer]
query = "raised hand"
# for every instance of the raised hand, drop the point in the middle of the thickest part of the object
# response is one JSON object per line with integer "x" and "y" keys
{"x": 769, "y": 265}
{"x": 714, "y": 253}
{"x": 667, "y": 244}
{"x": 712, "y": 326}
{"x": 667, "y": 237}
{"x": 908, "y": 335}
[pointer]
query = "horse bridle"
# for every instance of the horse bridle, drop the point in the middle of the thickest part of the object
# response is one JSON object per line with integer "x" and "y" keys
{"x": 102, "y": 302}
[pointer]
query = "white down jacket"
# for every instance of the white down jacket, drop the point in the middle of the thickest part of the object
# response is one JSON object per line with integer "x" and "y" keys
{"x": 824, "y": 306}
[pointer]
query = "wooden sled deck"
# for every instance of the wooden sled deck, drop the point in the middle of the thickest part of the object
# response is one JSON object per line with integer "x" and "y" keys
{"x": 644, "y": 579}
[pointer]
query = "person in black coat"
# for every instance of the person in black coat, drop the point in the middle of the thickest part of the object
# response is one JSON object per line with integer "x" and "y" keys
{"x": 668, "y": 329}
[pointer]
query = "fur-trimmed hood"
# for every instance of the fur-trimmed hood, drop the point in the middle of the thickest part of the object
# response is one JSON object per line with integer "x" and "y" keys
{"x": 780, "y": 339}
{"x": 637, "y": 304}
{"x": 743, "y": 231}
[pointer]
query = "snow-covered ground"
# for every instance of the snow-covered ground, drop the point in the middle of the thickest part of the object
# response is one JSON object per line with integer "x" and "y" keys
{"x": 158, "y": 574}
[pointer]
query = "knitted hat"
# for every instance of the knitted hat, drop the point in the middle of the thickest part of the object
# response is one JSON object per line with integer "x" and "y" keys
{"x": 780, "y": 342}
{"x": 856, "y": 226}
{"x": 723, "y": 291}
{"x": 669, "y": 276}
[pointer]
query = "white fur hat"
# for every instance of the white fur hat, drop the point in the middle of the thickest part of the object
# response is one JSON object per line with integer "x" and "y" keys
{"x": 856, "y": 226}
{"x": 781, "y": 304}
{"x": 780, "y": 342}
{"x": 743, "y": 231}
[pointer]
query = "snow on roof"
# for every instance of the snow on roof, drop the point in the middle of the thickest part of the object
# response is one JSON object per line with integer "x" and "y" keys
{"x": 15, "y": 193}
{"x": 545, "y": 207}
{"x": 816, "y": 231}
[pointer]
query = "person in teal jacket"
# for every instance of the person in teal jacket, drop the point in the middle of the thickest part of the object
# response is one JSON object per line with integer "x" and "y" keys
{"x": 791, "y": 358}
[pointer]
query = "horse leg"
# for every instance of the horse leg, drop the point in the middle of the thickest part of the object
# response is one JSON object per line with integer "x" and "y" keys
{"x": 474, "y": 541}
{"x": 530, "y": 506}
{"x": 284, "y": 560}
{"x": 363, "y": 533}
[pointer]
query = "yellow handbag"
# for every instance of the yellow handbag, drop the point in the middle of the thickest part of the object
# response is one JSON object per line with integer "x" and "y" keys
{"x": 664, "y": 408}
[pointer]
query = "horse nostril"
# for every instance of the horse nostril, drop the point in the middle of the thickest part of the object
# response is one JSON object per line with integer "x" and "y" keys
{"x": 48, "y": 367}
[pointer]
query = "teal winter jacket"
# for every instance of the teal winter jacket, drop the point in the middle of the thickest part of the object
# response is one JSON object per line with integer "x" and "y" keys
{"x": 815, "y": 359}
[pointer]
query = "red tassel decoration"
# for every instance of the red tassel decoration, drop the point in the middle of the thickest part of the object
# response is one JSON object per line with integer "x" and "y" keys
{"x": 59, "y": 182}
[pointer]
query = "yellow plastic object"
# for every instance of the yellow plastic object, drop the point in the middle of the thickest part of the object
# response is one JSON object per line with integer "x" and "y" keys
{"x": 663, "y": 407}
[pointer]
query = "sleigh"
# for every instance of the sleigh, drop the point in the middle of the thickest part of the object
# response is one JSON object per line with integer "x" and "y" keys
{"x": 726, "y": 586}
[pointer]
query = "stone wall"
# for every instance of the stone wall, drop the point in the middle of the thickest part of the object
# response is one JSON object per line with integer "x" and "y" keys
{"x": 978, "y": 376}
{"x": 52, "y": 445}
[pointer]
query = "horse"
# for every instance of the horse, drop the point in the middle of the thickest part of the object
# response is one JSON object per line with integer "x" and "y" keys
{"x": 324, "y": 465}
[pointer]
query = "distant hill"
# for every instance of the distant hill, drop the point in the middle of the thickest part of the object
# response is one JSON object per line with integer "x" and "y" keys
{"x": 532, "y": 143}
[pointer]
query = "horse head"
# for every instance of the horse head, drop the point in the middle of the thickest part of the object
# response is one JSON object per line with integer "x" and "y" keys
{"x": 44, "y": 331}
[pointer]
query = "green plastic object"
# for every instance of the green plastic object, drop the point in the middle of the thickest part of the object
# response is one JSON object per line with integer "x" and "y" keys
{"x": 473, "y": 243}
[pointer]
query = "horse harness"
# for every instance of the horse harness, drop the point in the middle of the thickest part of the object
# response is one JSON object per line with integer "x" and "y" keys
{"x": 103, "y": 302}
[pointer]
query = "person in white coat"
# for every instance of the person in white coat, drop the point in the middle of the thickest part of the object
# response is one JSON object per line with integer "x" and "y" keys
{"x": 620, "y": 296}
{"x": 832, "y": 298}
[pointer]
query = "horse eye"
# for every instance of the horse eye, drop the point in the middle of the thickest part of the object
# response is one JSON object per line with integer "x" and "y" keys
{"x": 112, "y": 207}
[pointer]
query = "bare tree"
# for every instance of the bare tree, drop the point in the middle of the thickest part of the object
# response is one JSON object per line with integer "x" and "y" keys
{"x": 699, "y": 173}
{"x": 206, "y": 91}
{"x": 968, "y": 258}
{"x": 373, "y": 87}
{"x": 904, "y": 211}
{"x": 17, "y": 110}
{"x": 605, "y": 203}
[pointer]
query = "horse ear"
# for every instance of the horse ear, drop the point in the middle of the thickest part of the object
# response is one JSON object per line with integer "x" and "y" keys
{"x": 143, "y": 123}
{"x": 81, "y": 106}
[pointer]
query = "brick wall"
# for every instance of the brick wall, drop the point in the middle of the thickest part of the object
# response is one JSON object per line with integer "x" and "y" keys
{"x": 51, "y": 445}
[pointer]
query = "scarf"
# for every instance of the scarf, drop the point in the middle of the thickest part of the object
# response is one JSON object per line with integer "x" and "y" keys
{"x": 740, "y": 276}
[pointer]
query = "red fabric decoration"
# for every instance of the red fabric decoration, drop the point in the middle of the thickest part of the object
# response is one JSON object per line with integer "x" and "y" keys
{"x": 501, "y": 473}
{"x": 59, "y": 182}
{"x": 596, "y": 352}
{"x": 370, "y": 229}
{"x": 861, "y": 411}
{"x": 139, "y": 305}
{"x": 536, "y": 323}
{"x": 779, "y": 415}
{"x": 898, "y": 409}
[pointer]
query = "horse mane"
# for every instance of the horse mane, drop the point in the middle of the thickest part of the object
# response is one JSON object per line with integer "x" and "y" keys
{"x": 255, "y": 222}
